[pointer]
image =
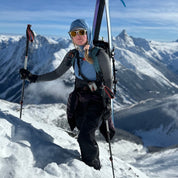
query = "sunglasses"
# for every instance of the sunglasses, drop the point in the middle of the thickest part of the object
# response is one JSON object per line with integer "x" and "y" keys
{"x": 80, "y": 32}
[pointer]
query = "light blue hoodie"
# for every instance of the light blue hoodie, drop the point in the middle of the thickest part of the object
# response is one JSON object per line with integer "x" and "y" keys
{"x": 87, "y": 69}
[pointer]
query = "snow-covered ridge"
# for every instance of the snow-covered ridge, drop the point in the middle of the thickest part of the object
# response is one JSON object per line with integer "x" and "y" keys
{"x": 6, "y": 38}
{"x": 44, "y": 150}
{"x": 38, "y": 146}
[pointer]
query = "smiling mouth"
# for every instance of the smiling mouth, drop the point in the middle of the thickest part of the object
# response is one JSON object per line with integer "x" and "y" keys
{"x": 79, "y": 40}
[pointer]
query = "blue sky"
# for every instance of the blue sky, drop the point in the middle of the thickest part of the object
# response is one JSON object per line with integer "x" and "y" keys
{"x": 149, "y": 19}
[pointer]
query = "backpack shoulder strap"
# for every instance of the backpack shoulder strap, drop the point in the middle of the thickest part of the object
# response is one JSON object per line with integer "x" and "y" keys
{"x": 93, "y": 54}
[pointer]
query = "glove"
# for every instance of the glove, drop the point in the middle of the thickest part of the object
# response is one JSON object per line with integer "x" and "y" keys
{"x": 26, "y": 75}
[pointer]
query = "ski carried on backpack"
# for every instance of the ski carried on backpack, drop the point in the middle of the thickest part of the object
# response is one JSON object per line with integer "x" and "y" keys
{"x": 99, "y": 10}
{"x": 98, "y": 15}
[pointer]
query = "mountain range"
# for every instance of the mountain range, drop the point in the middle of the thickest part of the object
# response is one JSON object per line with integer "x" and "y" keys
{"x": 145, "y": 69}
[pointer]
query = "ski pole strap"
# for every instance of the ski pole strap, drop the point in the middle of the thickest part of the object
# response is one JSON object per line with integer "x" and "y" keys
{"x": 29, "y": 33}
{"x": 30, "y": 37}
{"x": 108, "y": 92}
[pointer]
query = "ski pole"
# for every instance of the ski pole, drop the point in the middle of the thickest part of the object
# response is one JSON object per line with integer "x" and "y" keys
{"x": 110, "y": 150}
{"x": 30, "y": 37}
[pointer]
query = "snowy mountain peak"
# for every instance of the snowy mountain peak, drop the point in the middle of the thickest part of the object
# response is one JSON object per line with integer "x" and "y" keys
{"x": 124, "y": 39}
{"x": 123, "y": 34}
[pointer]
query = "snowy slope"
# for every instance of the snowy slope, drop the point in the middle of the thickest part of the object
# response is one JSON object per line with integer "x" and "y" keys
{"x": 42, "y": 149}
{"x": 36, "y": 147}
{"x": 167, "y": 53}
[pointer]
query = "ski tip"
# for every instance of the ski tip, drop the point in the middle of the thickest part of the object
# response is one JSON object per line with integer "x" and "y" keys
{"x": 123, "y": 3}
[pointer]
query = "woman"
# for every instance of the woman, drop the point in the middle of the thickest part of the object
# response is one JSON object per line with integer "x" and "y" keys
{"x": 88, "y": 105}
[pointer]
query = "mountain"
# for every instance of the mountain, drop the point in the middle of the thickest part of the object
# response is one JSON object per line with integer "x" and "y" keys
{"x": 144, "y": 68}
{"x": 44, "y": 55}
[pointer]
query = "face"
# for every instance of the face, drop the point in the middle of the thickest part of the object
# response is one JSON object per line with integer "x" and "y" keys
{"x": 80, "y": 40}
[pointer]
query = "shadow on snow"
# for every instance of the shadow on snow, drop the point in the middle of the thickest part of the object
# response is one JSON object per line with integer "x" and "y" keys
{"x": 41, "y": 144}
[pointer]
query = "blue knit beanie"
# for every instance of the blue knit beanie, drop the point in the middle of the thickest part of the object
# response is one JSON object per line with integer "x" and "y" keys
{"x": 81, "y": 23}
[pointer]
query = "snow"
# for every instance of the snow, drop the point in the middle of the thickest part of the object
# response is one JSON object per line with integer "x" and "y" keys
{"x": 132, "y": 52}
{"x": 134, "y": 61}
{"x": 12, "y": 38}
{"x": 169, "y": 47}
{"x": 40, "y": 146}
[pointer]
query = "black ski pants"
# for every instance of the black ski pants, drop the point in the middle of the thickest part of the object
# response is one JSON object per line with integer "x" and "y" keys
{"x": 88, "y": 119}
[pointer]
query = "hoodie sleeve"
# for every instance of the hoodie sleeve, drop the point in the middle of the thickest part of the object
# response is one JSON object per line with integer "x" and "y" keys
{"x": 58, "y": 72}
{"x": 105, "y": 66}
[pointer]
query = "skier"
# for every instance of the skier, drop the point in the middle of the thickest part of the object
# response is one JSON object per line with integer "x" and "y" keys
{"x": 88, "y": 105}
